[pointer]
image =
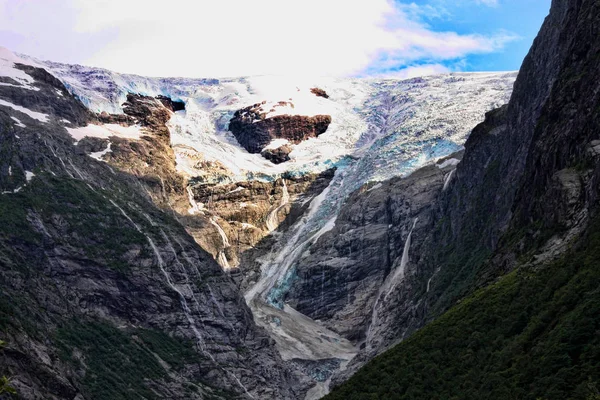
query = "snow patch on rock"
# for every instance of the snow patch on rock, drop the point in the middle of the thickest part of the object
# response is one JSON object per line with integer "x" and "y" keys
{"x": 33, "y": 114}
{"x": 105, "y": 131}
{"x": 7, "y": 69}
{"x": 19, "y": 123}
{"x": 99, "y": 154}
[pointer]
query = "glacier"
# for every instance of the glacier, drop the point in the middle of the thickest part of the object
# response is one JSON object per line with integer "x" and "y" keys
{"x": 381, "y": 128}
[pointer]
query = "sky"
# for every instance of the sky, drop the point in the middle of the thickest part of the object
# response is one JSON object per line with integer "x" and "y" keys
{"x": 226, "y": 38}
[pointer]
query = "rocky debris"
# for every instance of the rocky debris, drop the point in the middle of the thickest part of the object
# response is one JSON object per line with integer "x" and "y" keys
{"x": 119, "y": 119}
{"x": 254, "y": 130}
{"x": 320, "y": 370}
{"x": 278, "y": 155}
{"x": 319, "y": 92}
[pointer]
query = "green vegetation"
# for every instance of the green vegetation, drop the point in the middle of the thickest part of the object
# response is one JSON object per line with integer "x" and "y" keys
{"x": 81, "y": 217}
{"x": 119, "y": 364}
{"x": 535, "y": 334}
{"x": 5, "y": 387}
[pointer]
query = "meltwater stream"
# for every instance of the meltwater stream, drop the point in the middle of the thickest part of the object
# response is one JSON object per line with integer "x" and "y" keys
{"x": 296, "y": 335}
{"x": 221, "y": 257}
{"x": 273, "y": 217}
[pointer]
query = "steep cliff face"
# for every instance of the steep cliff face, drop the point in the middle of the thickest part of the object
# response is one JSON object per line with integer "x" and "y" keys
{"x": 544, "y": 157}
{"x": 104, "y": 294}
{"x": 525, "y": 197}
{"x": 361, "y": 260}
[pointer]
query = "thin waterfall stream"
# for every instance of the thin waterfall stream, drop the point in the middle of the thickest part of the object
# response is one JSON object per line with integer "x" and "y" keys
{"x": 183, "y": 300}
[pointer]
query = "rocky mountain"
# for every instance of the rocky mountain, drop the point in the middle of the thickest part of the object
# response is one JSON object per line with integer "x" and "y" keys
{"x": 510, "y": 262}
{"x": 256, "y": 126}
{"x": 104, "y": 293}
{"x": 236, "y": 238}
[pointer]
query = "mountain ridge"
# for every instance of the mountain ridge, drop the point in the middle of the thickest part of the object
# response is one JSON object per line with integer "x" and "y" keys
{"x": 523, "y": 199}
{"x": 162, "y": 201}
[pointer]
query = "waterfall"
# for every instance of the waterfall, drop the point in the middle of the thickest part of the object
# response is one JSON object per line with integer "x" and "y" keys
{"x": 59, "y": 159}
{"x": 272, "y": 218}
{"x": 275, "y": 270}
{"x": 430, "y": 279}
{"x": 182, "y": 298}
{"x": 161, "y": 265}
{"x": 196, "y": 208}
{"x": 198, "y": 274}
{"x": 404, "y": 259}
{"x": 221, "y": 232}
{"x": 391, "y": 281}
{"x": 221, "y": 257}
{"x": 448, "y": 178}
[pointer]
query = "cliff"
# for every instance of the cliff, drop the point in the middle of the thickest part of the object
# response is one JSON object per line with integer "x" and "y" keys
{"x": 512, "y": 251}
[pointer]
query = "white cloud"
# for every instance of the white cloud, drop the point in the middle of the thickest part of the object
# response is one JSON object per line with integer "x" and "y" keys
{"x": 417, "y": 70}
{"x": 215, "y": 38}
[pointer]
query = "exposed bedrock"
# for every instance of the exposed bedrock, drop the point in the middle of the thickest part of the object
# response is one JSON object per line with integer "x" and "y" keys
{"x": 338, "y": 280}
{"x": 319, "y": 92}
{"x": 248, "y": 211}
{"x": 254, "y": 130}
{"x": 278, "y": 155}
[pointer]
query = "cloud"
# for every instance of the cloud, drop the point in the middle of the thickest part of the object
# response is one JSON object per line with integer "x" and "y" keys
{"x": 416, "y": 70}
{"x": 202, "y": 38}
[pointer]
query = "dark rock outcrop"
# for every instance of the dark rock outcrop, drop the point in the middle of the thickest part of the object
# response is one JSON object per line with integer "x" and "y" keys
{"x": 278, "y": 155}
{"x": 319, "y": 92}
{"x": 172, "y": 105}
{"x": 254, "y": 130}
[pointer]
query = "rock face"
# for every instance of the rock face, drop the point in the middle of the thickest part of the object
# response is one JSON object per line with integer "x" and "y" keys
{"x": 249, "y": 211}
{"x": 254, "y": 130}
{"x": 278, "y": 155}
{"x": 319, "y": 92}
{"x": 524, "y": 191}
{"x": 525, "y": 197}
{"x": 341, "y": 278}
{"x": 103, "y": 292}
